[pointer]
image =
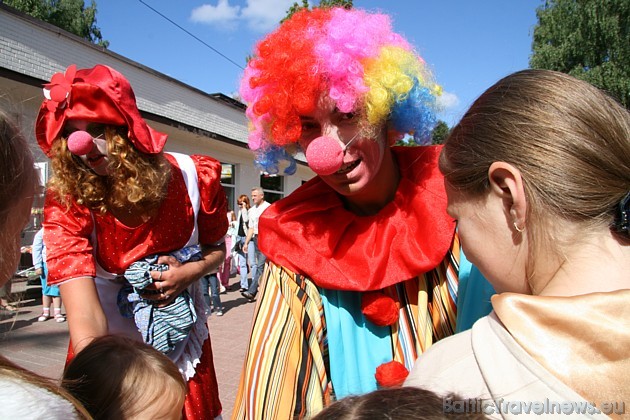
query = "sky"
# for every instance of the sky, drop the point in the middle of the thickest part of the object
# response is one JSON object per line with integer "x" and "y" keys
{"x": 469, "y": 44}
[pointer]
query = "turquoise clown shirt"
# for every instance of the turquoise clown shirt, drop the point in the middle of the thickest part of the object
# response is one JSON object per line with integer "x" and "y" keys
{"x": 359, "y": 347}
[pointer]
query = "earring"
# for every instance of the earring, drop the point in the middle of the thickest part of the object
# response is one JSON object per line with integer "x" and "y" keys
{"x": 518, "y": 229}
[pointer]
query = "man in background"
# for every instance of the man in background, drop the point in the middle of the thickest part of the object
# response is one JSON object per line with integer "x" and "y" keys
{"x": 255, "y": 258}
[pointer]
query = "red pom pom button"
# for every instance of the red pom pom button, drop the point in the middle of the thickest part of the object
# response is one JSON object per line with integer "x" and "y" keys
{"x": 391, "y": 374}
{"x": 379, "y": 308}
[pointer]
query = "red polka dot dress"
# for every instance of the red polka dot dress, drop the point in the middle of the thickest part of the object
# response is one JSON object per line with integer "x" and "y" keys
{"x": 82, "y": 243}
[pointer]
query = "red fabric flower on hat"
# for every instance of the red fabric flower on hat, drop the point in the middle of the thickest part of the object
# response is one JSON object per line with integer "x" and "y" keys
{"x": 391, "y": 374}
{"x": 58, "y": 90}
{"x": 379, "y": 308}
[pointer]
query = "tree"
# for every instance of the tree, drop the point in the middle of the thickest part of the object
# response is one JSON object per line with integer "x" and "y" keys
{"x": 70, "y": 15}
{"x": 440, "y": 132}
{"x": 588, "y": 39}
{"x": 347, "y": 4}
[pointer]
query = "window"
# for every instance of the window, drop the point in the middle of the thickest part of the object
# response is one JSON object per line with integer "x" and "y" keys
{"x": 227, "y": 181}
{"x": 273, "y": 187}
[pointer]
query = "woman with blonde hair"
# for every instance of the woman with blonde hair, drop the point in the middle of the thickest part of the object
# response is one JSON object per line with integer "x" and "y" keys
{"x": 538, "y": 176}
{"x": 117, "y": 199}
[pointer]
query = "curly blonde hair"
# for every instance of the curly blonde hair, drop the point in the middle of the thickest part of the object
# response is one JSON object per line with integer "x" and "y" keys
{"x": 134, "y": 179}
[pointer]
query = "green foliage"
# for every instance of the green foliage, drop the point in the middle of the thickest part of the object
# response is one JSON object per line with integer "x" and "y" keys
{"x": 322, "y": 3}
{"x": 588, "y": 39}
{"x": 406, "y": 141}
{"x": 440, "y": 132}
{"x": 70, "y": 15}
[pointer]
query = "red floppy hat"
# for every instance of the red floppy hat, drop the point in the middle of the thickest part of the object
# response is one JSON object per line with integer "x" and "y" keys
{"x": 99, "y": 95}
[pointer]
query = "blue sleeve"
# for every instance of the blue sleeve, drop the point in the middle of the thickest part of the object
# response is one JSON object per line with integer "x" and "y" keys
{"x": 473, "y": 297}
{"x": 36, "y": 249}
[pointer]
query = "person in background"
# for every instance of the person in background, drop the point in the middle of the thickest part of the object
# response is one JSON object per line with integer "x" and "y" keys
{"x": 50, "y": 294}
{"x": 538, "y": 176}
{"x": 120, "y": 378}
{"x": 225, "y": 271}
{"x": 115, "y": 198}
{"x": 23, "y": 394}
{"x": 212, "y": 294}
{"x": 364, "y": 264}
{"x": 242, "y": 227}
{"x": 255, "y": 257}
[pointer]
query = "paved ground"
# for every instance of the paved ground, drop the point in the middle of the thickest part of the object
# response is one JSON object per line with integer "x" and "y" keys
{"x": 41, "y": 346}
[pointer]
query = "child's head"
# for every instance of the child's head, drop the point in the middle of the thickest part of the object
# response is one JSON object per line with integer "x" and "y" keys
{"x": 117, "y": 377}
{"x": 393, "y": 403}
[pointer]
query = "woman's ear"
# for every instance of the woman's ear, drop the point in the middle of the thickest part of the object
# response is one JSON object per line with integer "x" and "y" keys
{"x": 507, "y": 183}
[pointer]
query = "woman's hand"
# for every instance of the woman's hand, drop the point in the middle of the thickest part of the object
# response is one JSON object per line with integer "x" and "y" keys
{"x": 171, "y": 283}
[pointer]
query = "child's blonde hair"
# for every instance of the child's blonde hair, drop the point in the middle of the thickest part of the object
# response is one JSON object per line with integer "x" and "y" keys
{"x": 117, "y": 377}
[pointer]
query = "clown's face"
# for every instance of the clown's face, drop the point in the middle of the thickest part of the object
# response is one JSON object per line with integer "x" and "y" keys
{"x": 97, "y": 158}
{"x": 361, "y": 160}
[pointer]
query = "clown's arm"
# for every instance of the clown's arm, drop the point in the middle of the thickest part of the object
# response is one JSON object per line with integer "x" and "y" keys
{"x": 86, "y": 319}
{"x": 284, "y": 374}
{"x": 71, "y": 266}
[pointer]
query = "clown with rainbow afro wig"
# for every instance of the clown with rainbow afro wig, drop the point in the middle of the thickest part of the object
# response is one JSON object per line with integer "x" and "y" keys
{"x": 363, "y": 262}
{"x": 351, "y": 56}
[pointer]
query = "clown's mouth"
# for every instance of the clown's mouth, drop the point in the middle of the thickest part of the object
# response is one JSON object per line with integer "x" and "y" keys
{"x": 95, "y": 160}
{"x": 347, "y": 167}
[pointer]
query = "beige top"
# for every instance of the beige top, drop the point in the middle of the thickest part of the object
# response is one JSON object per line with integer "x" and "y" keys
{"x": 539, "y": 349}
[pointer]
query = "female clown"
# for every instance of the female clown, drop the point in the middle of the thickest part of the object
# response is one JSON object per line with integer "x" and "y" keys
{"x": 116, "y": 198}
{"x": 364, "y": 263}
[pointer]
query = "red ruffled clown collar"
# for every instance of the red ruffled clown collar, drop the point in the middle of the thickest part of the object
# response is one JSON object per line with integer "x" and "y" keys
{"x": 311, "y": 233}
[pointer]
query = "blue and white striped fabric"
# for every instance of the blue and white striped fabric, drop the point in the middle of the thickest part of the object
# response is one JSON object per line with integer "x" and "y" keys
{"x": 161, "y": 327}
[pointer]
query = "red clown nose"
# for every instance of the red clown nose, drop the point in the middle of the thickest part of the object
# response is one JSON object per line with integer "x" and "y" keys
{"x": 325, "y": 155}
{"x": 80, "y": 143}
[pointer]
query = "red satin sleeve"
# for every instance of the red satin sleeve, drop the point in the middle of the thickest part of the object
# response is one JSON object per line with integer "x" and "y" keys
{"x": 67, "y": 238}
{"x": 212, "y": 220}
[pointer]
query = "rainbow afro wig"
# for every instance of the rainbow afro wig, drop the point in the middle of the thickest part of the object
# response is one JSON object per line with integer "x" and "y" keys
{"x": 351, "y": 56}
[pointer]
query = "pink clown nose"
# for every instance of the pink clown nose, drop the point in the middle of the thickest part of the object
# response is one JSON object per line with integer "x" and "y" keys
{"x": 324, "y": 155}
{"x": 80, "y": 143}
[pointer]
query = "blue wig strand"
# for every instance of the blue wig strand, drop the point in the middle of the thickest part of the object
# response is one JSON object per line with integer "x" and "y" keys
{"x": 268, "y": 160}
{"x": 416, "y": 114}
